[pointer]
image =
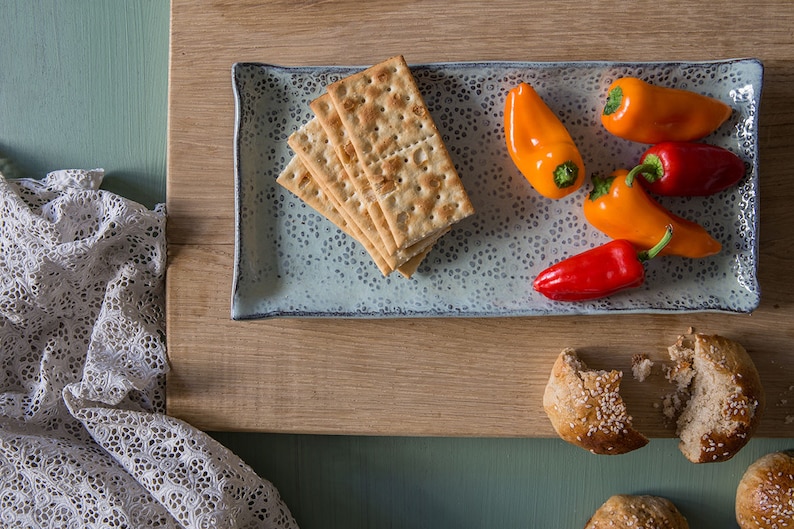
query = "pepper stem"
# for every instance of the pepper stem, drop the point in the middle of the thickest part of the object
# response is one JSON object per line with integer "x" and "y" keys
{"x": 601, "y": 186}
{"x": 632, "y": 175}
{"x": 614, "y": 99}
{"x": 651, "y": 170}
{"x": 647, "y": 255}
{"x": 565, "y": 174}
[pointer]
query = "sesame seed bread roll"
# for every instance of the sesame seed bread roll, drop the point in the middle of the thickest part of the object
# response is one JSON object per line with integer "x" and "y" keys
{"x": 726, "y": 398}
{"x": 635, "y": 512}
{"x": 765, "y": 495}
{"x": 586, "y": 409}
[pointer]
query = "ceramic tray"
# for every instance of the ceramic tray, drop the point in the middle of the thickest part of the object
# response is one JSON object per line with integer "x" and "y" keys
{"x": 289, "y": 261}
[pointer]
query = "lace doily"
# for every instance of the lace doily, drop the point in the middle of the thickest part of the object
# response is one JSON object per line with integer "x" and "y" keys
{"x": 84, "y": 439}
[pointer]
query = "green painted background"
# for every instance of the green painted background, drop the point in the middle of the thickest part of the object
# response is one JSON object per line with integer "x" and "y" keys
{"x": 83, "y": 84}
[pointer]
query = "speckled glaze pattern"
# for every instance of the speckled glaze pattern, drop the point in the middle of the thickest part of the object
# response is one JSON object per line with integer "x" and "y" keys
{"x": 289, "y": 261}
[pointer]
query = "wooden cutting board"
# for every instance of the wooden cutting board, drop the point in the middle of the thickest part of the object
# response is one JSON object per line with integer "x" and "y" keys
{"x": 448, "y": 377}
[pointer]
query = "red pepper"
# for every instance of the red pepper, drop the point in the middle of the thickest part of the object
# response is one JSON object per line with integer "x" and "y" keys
{"x": 678, "y": 168}
{"x": 598, "y": 272}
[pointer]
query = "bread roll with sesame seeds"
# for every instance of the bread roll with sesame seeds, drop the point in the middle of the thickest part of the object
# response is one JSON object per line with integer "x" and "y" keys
{"x": 623, "y": 511}
{"x": 726, "y": 398}
{"x": 586, "y": 409}
{"x": 765, "y": 495}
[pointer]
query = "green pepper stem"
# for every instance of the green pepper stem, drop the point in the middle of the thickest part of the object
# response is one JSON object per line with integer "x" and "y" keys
{"x": 643, "y": 169}
{"x": 614, "y": 99}
{"x": 565, "y": 174}
{"x": 651, "y": 168}
{"x": 601, "y": 186}
{"x": 647, "y": 255}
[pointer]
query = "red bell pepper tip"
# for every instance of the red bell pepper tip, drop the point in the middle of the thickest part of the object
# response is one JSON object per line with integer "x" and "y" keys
{"x": 601, "y": 186}
{"x": 614, "y": 99}
{"x": 649, "y": 254}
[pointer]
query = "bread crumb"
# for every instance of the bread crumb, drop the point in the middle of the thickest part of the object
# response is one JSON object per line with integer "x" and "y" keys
{"x": 641, "y": 366}
{"x": 682, "y": 372}
{"x": 789, "y": 419}
{"x": 673, "y": 403}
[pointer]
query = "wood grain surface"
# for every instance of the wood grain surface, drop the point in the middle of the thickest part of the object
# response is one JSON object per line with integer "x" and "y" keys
{"x": 447, "y": 377}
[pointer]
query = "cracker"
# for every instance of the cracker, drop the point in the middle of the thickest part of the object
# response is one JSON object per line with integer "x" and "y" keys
{"x": 422, "y": 248}
{"x": 297, "y": 179}
{"x": 311, "y": 143}
{"x": 401, "y": 150}
{"x": 328, "y": 117}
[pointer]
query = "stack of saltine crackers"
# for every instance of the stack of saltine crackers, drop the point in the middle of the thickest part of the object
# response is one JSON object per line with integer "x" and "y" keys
{"x": 372, "y": 161}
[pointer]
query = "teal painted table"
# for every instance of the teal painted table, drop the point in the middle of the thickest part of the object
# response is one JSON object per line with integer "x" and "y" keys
{"x": 84, "y": 84}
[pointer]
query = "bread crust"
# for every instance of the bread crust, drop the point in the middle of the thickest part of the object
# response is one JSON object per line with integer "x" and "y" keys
{"x": 586, "y": 409}
{"x": 625, "y": 511}
{"x": 726, "y": 403}
{"x": 765, "y": 495}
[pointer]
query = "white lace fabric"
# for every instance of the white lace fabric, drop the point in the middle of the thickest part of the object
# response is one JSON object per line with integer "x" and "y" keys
{"x": 84, "y": 438}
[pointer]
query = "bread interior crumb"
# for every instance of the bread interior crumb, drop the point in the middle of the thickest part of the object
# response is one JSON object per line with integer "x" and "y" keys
{"x": 696, "y": 419}
{"x": 641, "y": 367}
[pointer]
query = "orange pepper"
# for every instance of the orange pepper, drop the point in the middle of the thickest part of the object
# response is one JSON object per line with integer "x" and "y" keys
{"x": 540, "y": 145}
{"x": 645, "y": 113}
{"x": 622, "y": 209}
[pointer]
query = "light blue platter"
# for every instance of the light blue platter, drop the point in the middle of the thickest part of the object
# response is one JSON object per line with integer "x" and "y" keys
{"x": 289, "y": 261}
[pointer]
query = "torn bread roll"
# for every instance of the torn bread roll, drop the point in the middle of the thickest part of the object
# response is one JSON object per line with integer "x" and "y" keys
{"x": 586, "y": 409}
{"x": 765, "y": 495}
{"x": 624, "y": 511}
{"x": 721, "y": 394}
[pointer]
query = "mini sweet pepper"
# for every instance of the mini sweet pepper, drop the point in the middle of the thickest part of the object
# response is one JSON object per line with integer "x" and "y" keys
{"x": 540, "y": 144}
{"x": 639, "y": 111}
{"x": 598, "y": 272}
{"x": 622, "y": 209}
{"x": 687, "y": 169}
